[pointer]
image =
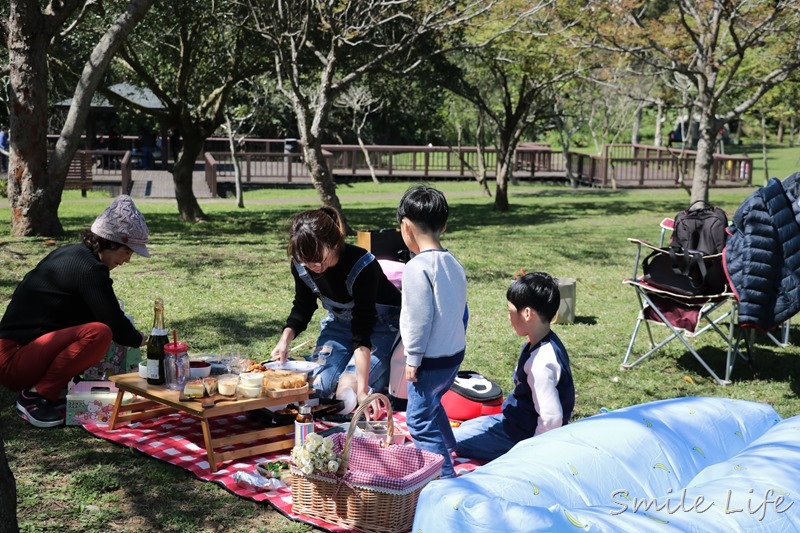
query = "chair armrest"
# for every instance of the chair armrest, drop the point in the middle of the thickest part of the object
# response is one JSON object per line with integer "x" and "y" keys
{"x": 668, "y": 224}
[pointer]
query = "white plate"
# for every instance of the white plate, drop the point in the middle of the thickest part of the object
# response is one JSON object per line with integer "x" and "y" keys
{"x": 292, "y": 366}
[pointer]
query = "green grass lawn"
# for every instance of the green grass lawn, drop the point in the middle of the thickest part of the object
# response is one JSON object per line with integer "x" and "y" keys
{"x": 227, "y": 287}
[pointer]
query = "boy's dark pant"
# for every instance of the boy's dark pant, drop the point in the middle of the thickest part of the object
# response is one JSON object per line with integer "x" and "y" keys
{"x": 426, "y": 418}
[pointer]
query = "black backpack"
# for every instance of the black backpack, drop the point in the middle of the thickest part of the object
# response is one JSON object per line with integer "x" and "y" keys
{"x": 698, "y": 233}
{"x": 684, "y": 267}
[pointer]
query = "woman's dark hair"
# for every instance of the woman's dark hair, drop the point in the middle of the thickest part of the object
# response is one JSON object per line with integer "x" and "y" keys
{"x": 424, "y": 206}
{"x": 98, "y": 244}
{"x": 314, "y": 231}
{"x": 536, "y": 290}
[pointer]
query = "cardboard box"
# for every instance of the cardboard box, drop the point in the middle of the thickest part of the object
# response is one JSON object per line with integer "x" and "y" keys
{"x": 91, "y": 402}
{"x": 566, "y": 308}
{"x": 384, "y": 244}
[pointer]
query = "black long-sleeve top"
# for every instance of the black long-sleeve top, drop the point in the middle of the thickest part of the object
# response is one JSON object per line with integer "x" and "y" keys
{"x": 371, "y": 287}
{"x": 69, "y": 287}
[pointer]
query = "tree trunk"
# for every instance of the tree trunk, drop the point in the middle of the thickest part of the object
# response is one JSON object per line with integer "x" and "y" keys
{"x": 367, "y": 160}
{"x": 237, "y": 168}
{"x": 705, "y": 157}
{"x": 636, "y": 126}
{"x": 183, "y": 174}
{"x": 480, "y": 155}
{"x": 35, "y": 186}
{"x": 322, "y": 178}
{"x": 33, "y": 201}
{"x": 503, "y": 170}
{"x": 657, "y": 141}
{"x": 8, "y": 493}
{"x": 501, "y": 193}
{"x": 92, "y": 75}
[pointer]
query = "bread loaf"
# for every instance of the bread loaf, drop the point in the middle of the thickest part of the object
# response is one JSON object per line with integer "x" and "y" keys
{"x": 283, "y": 379}
{"x": 194, "y": 389}
{"x": 210, "y": 384}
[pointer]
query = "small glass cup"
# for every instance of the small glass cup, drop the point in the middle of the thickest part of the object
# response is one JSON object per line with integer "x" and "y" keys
{"x": 237, "y": 363}
{"x": 227, "y": 384}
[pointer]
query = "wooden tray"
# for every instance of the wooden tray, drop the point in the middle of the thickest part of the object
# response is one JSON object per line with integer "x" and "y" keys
{"x": 280, "y": 393}
{"x": 209, "y": 401}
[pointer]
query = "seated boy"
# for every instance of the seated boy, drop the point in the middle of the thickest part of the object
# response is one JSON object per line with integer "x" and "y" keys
{"x": 544, "y": 393}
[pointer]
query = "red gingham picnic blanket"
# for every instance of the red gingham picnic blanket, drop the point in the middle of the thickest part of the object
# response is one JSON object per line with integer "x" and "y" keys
{"x": 178, "y": 439}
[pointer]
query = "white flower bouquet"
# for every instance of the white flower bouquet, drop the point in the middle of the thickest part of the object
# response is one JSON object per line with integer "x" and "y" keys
{"x": 316, "y": 455}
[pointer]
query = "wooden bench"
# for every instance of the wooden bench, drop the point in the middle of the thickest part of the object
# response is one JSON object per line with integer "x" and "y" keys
{"x": 79, "y": 175}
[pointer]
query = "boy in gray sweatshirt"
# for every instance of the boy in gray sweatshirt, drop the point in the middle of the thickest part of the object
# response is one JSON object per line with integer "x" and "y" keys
{"x": 432, "y": 322}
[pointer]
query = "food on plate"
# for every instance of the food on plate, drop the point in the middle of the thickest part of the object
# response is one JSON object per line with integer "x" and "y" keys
{"x": 252, "y": 366}
{"x": 273, "y": 469}
{"x": 283, "y": 379}
{"x": 194, "y": 389}
{"x": 210, "y": 384}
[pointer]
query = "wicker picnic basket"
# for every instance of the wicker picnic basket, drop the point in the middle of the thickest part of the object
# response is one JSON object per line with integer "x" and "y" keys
{"x": 378, "y": 484}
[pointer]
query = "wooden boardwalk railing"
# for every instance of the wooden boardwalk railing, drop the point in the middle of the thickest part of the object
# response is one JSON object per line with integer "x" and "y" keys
{"x": 621, "y": 165}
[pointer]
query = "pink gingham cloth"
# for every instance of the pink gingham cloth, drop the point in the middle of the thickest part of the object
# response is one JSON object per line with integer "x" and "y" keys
{"x": 393, "y": 469}
{"x": 178, "y": 439}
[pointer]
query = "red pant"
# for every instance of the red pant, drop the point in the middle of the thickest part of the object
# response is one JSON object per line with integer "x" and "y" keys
{"x": 49, "y": 362}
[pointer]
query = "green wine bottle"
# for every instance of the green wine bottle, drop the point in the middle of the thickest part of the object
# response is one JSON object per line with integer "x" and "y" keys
{"x": 155, "y": 346}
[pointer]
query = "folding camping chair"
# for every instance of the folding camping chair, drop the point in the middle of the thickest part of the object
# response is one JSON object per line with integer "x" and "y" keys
{"x": 779, "y": 336}
{"x": 683, "y": 315}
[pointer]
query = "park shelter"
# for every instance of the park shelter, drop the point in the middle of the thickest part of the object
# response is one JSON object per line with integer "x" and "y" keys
{"x": 101, "y": 110}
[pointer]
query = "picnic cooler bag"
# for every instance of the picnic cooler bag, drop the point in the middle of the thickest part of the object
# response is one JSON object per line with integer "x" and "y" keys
{"x": 472, "y": 395}
{"x": 377, "y": 486}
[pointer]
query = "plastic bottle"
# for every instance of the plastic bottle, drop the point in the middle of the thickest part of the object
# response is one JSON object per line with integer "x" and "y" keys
{"x": 155, "y": 346}
{"x": 176, "y": 365}
{"x": 303, "y": 425}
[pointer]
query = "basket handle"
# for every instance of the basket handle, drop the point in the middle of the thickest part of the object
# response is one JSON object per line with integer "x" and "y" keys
{"x": 354, "y": 422}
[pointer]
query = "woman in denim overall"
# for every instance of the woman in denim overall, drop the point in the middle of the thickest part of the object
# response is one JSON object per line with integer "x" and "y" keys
{"x": 363, "y": 306}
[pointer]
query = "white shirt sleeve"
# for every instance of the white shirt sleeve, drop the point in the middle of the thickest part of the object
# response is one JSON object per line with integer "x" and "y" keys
{"x": 543, "y": 373}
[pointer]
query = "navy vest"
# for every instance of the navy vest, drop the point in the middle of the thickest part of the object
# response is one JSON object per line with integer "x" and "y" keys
{"x": 519, "y": 414}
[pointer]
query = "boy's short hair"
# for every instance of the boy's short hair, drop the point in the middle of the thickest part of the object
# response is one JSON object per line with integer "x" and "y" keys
{"x": 424, "y": 206}
{"x": 537, "y": 290}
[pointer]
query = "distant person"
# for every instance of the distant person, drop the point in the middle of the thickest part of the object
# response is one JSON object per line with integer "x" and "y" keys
{"x": 431, "y": 320}
{"x": 111, "y": 144}
{"x": 64, "y": 314}
{"x": 4, "y": 148}
{"x": 544, "y": 393}
{"x": 147, "y": 145}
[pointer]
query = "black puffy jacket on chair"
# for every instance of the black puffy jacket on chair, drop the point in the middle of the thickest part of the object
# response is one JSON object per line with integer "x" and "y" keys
{"x": 762, "y": 255}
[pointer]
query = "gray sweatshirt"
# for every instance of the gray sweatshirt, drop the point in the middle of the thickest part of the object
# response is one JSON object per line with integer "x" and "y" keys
{"x": 434, "y": 303}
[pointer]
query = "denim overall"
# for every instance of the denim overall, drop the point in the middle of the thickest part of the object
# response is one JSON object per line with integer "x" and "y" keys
{"x": 336, "y": 332}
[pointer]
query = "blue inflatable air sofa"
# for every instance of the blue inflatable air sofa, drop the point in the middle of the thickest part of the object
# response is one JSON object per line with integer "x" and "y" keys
{"x": 688, "y": 464}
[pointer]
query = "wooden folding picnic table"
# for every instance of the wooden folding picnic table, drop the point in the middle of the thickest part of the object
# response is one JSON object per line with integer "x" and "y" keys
{"x": 158, "y": 400}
